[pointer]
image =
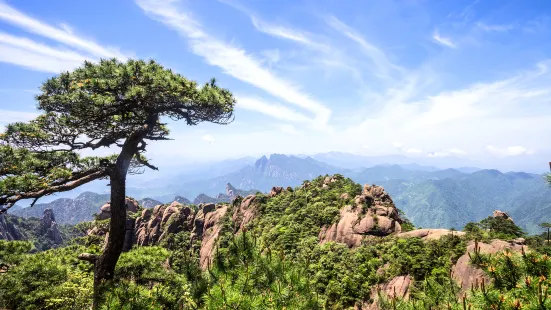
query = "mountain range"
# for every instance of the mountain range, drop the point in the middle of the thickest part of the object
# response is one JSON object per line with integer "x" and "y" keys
{"x": 429, "y": 196}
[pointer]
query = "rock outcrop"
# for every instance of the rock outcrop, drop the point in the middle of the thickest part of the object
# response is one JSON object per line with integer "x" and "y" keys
{"x": 429, "y": 234}
{"x": 246, "y": 211}
{"x": 8, "y": 231}
{"x": 154, "y": 224}
{"x": 182, "y": 200}
{"x": 502, "y": 214}
{"x": 373, "y": 213}
{"x": 105, "y": 210}
{"x": 397, "y": 287}
{"x": 211, "y": 229}
{"x": 276, "y": 190}
{"x": 150, "y": 203}
{"x": 204, "y": 224}
{"x": 466, "y": 274}
{"x": 49, "y": 228}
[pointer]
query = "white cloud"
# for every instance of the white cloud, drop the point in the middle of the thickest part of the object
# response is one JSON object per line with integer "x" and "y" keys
{"x": 384, "y": 66}
{"x": 277, "y": 111}
{"x": 69, "y": 52}
{"x": 443, "y": 40}
{"x": 508, "y": 151}
{"x": 516, "y": 110}
{"x": 494, "y": 28}
{"x": 208, "y": 138}
{"x": 283, "y": 32}
{"x": 233, "y": 60}
{"x": 21, "y": 20}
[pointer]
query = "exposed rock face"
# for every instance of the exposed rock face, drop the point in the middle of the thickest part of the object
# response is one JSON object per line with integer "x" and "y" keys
{"x": 182, "y": 200}
{"x": 374, "y": 213}
{"x": 429, "y": 234}
{"x": 276, "y": 190}
{"x": 153, "y": 225}
{"x": 49, "y": 227}
{"x": 502, "y": 214}
{"x": 105, "y": 210}
{"x": 245, "y": 213}
{"x": 150, "y": 203}
{"x": 7, "y": 230}
{"x": 397, "y": 287}
{"x": 211, "y": 230}
{"x": 466, "y": 274}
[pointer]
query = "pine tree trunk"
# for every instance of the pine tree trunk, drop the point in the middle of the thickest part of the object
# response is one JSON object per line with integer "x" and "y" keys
{"x": 104, "y": 268}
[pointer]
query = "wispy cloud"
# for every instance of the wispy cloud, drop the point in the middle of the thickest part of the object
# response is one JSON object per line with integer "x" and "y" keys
{"x": 443, "y": 40}
{"x": 379, "y": 59}
{"x": 19, "y": 19}
{"x": 276, "y": 111}
{"x": 35, "y": 55}
{"x": 233, "y": 60}
{"x": 494, "y": 28}
{"x": 465, "y": 120}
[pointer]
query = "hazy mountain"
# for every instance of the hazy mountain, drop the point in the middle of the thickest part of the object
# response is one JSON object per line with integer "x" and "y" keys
{"x": 68, "y": 211}
{"x": 148, "y": 202}
{"x": 456, "y": 200}
{"x": 276, "y": 170}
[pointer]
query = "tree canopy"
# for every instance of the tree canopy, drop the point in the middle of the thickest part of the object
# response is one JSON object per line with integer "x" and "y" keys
{"x": 99, "y": 105}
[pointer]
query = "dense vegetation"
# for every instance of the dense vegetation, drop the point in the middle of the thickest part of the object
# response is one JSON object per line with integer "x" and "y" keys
{"x": 277, "y": 263}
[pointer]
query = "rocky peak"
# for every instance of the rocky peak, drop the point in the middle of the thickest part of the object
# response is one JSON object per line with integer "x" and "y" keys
{"x": 203, "y": 198}
{"x": 47, "y": 218}
{"x": 231, "y": 191}
{"x": 49, "y": 227}
{"x": 503, "y": 215}
{"x": 182, "y": 200}
{"x": 261, "y": 164}
{"x": 7, "y": 230}
{"x": 373, "y": 213}
{"x": 149, "y": 203}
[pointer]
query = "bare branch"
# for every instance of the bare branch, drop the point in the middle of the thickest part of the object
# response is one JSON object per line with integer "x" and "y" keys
{"x": 143, "y": 161}
{"x": 91, "y": 176}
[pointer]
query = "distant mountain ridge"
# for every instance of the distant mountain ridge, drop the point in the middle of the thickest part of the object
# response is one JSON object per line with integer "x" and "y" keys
{"x": 67, "y": 210}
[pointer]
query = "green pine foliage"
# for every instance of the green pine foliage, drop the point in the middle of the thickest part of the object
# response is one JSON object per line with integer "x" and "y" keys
{"x": 277, "y": 262}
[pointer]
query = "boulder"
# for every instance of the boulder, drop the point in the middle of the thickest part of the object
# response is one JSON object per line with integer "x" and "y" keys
{"x": 429, "y": 234}
{"x": 466, "y": 274}
{"x": 276, "y": 190}
{"x": 397, "y": 287}
{"x": 374, "y": 213}
{"x": 131, "y": 205}
{"x": 502, "y": 214}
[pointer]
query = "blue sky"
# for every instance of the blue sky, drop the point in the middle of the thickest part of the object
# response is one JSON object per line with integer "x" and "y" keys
{"x": 420, "y": 78}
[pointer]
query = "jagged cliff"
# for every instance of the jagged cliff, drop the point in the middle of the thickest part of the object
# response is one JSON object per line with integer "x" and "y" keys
{"x": 44, "y": 232}
{"x": 370, "y": 213}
